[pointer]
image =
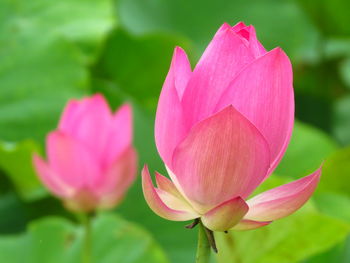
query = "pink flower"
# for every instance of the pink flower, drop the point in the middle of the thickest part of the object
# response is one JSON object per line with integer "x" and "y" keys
{"x": 90, "y": 158}
{"x": 221, "y": 130}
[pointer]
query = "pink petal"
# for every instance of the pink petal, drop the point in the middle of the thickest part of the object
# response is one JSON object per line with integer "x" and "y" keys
{"x": 223, "y": 156}
{"x": 226, "y": 215}
{"x": 244, "y": 33}
{"x": 156, "y": 203}
{"x": 118, "y": 177}
{"x": 222, "y": 60}
{"x": 169, "y": 128}
{"x": 283, "y": 200}
{"x": 176, "y": 183}
{"x": 88, "y": 120}
{"x": 175, "y": 202}
{"x": 181, "y": 69}
{"x": 263, "y": 93}
{"x": 119, "y": 136}
{"x": 69, "y": 115}
{"x": 83, "y": 200}
{"x": 224, "y": 27}
{"x": 117, "y": 180}
{"x": 239, "y": 26}
{"x": 50, "y": 179}
{"x": 167, "y": 185}
{"x": 71, "y": 161}
{"x": 249, "y": 225}
{"x": 171, "y": 195}
{"x": 249, "y": 33}
{"x": 255, "y": 46}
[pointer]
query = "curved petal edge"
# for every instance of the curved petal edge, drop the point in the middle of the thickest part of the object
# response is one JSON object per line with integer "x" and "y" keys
{"x": 157, "y": 205}
{"x": 50, "y": 179}
{"x": 169, "y": 129}
{"x": 223, "y": 156}
{"x": 283, "y": 200}
{"x": 226, "y": 215}
{"x": 246, "y": 224}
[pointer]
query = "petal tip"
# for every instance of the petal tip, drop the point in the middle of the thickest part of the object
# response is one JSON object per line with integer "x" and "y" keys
{"x": 178, "y": 49}
{"x": 284, "y": 200}
{"x": 156, "y": 203}
{"x": 125, "y": 109}
{"x": 145, "y": 170}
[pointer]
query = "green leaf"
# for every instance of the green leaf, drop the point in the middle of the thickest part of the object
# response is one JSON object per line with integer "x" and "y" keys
{"x": 138, "y": 65}
{"x": 58, "y": 240}
{"x": 334, "y": 204}
{"x": 331, "y": 16}
{"x": 45, "y": 20}
{"x": 308, "y": 148}
{"x": 338, "y": 254}
{"x": 16, "y": 161}
{"x": 337, "y": 47}
{"x": 335, "y": 173}
{"x": 35, "y": 86}
{"x": 341, "y": 123}
{"x": 344, "y": 69}
{"x": 273, "y": 20}
{"x": 16, "y": 216}
{"x": 44, "y": 52}
{"x": 297, "y": 237}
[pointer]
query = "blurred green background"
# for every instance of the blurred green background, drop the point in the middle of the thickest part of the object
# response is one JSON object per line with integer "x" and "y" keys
{"x": 51, "y": 51}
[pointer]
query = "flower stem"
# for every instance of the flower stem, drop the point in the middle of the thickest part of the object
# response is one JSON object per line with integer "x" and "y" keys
{"x": 87, "y": 239}
{"x": 203, "y": 247}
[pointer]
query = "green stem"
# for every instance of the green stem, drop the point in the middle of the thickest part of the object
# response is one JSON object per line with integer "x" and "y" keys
{"x": 203, "y": 247}
{"x": 87, "y": 240}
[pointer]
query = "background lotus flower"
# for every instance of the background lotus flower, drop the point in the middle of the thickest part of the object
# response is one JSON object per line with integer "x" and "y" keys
{"x": 90, "y": 158}
{"x": 221, "y": 130}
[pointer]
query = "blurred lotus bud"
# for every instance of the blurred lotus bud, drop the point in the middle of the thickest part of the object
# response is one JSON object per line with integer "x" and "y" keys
{"x": 90, "y": 158}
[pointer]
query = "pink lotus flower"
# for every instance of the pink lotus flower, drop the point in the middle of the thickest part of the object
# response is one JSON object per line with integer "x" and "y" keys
{"x": 221, "y": 130}
{"x": 90, "y": 158}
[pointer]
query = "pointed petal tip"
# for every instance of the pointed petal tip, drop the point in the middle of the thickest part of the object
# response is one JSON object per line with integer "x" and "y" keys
{"x": 278, "y": 52}
{"x": 169, "y": 120}
{"x": 126, "y": 105}
{"x": 145, "y": 170}
{"x": 97, "y": 101}
{"x": 98, "y": 96}
{"x": 228, "y": 30}
{"x": 157, "y": 205}
{"x": 165, "y": 183}
{"x": 238, "y": 26}
{"x": 94, "y": 100}
{"x": 124, "y": 111}
{"x": 224, "y": 26}
{"x": 160, "y": 179}
{"x": 178, "y": 49}
{"x": 179, "y": 53}
{"x": 284, "y": 200}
